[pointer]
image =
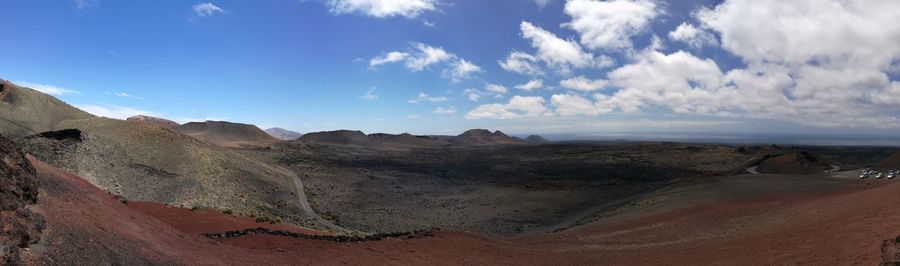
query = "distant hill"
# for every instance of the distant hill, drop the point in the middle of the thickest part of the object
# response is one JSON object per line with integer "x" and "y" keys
{"x": 154, "y": 120}
{"x": 535, "y": 139}
{"x": 794, "y": 163}
{"x": 474, "y": 137}
{"x": 283, "y": 134}
{"x": 227, "y": 134}
{"x": 24, "y": 111}
{"x": 485, "y": 137}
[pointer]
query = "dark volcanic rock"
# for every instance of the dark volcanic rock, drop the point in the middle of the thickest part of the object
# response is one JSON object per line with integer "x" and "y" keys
{"x": 340, "y": 137}
{"x": 890, "y": 252}
{"x": 19, "y": 227}
{"x": 154, "y": 120}
{"x": 484, "y": 137}
{"x": 892, "y": 162}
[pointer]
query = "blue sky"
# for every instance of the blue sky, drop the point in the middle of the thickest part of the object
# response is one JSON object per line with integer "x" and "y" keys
{"x": 602, "y": 66}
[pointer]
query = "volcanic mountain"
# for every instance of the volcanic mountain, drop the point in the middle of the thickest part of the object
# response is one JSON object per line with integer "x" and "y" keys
{"x": 227, "y": 134}
{"x": 535, "y": 139}
{"x": 485, "y": 137}
{"x": 358, "y": 138}
{"x": 24, "y": 111}
{"x": 143, "y": 161}
{"x": 154, "y": 120}
{"x": 794, "y": 163}
{"x": 283, "y": 134}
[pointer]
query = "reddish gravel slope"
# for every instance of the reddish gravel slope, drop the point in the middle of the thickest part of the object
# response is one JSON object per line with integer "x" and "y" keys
{"x": 847, "y": 226}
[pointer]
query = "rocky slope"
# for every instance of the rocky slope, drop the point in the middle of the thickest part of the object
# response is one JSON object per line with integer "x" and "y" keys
{"x": 19, "y": 226}
{"x": 24, "y": 111}
{"x": 794, "y": 163}
{"x": 227, "y": 134}
{"x": 485, "y": 137}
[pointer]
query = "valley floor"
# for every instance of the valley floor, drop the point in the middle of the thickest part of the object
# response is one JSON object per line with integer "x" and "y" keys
{"x": 745, "y": 219}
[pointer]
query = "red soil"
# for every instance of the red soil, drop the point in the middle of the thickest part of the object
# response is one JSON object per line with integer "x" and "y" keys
{"x": 87, "y": 226}
{"x": 203, "y": 221}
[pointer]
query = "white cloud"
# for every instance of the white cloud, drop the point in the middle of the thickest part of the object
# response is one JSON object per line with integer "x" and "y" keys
{"x": 85, "y": 4}
{"x": 555, "y": 52}
{"x": 517, "y": 107}
{"x": 48, "y": 89}
{"x": 496, "y": 89}
{"x": 113, "y": 111}
{"x": 426, "y": 56}
{"x": 531, "y": 85}
{"x": 445, "y": 111}
{"x": 542, "y": 3}
{"x": 693, "y": 36}
{"x": 207, "y": 9}
{"x": 423, "y": 97}
{"x": 390, "y": 57}
{"x": 473, "y": 94}
{"x": 572, "y": 104}
{"x": 522, "y": 63}
{"x": 581, "y": 83}
{"x": 461, "y": 69}
{"x": 610, "y": 24}
{"x": 421, "y": 56}
{"x": 371, "y": 94}
{"x": 126, "y": 95}
{"x": 383, "y": 8}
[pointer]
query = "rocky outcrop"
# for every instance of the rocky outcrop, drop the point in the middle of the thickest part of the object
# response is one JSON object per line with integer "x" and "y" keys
{"x": 19, "y": 227}
{"x": 154, "y": 120}
{"x": 890, "y": 252}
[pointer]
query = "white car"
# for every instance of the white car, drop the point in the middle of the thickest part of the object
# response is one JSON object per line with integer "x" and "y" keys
{"x": 891, "y": 175}
{"x": 879, "y": 175}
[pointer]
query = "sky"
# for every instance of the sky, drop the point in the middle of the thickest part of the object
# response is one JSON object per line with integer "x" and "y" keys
{"x": 586, "y": 67}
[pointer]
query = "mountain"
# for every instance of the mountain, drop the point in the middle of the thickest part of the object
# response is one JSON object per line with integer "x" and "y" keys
{"x": 24, "y": 111}
{"x": 535, "y": 139}
{"x": 146, "y": 162}
{"x": 337, "y": 137}
{"x": 484, "y": 137}
{"x": 283, "y": 134}
{"x": 794, "y": 163}
{"x": 154, "y": 120}
{"x": 227, "y": 134}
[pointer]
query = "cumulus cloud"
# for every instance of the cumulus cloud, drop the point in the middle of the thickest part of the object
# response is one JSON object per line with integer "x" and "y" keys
{"x": 382, "y": 8}
{"x": 496, "y": 89}
{"x": 371, "y": 94}
{"x": 473, "y": 94}
{"x": 113, "y": 111}
{"x": 423, "y": 97}
{"x": 554, "y": 51}
{"x": 693, "y": 36}
{"x": 581, "y": 83}
{"x": 421, "y": 56}
{"x": 207, "y": 9}
{"x": 610, "y": 24}
{"x": 47, "y": 89}
{"x": 522, "y": 63}
{"x": 531, "y": 85}
{"x": 445, "y": 111}
{"x": 461, "y": 69}
{"x": 391, "y": 57}
{"x": 517, "y": 107}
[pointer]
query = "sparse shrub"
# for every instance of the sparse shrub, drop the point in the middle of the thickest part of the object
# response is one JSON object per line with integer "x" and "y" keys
{"x": 227, "y": 211}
